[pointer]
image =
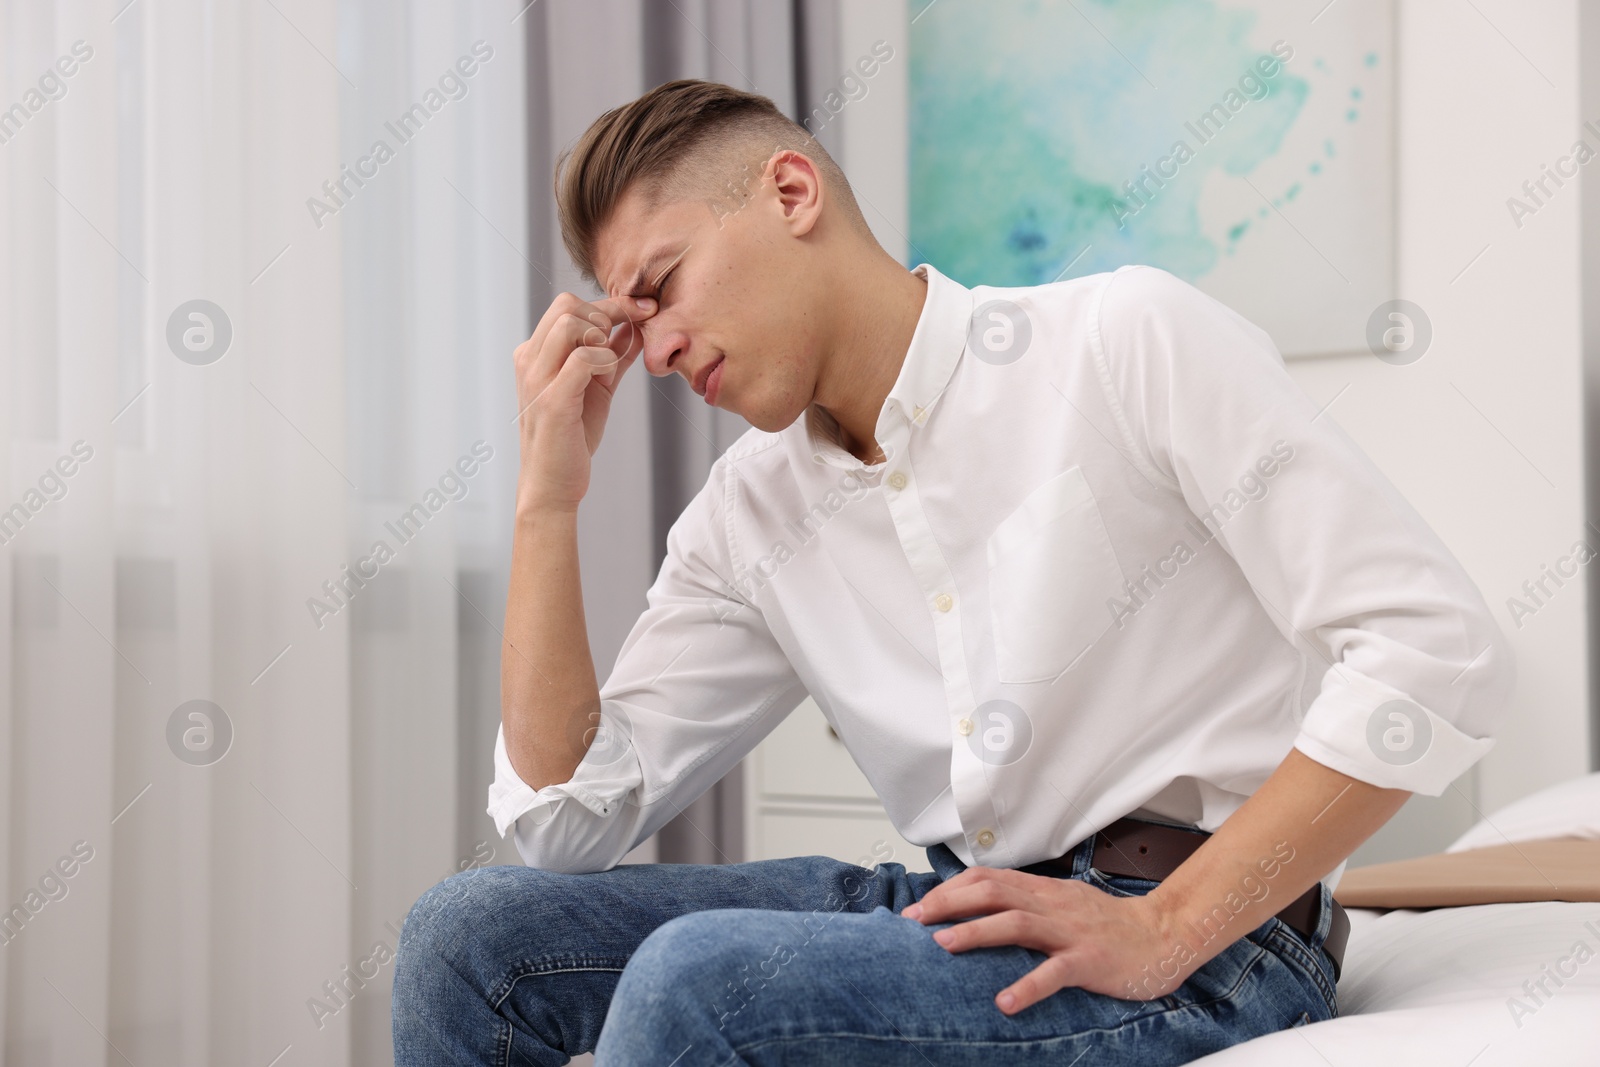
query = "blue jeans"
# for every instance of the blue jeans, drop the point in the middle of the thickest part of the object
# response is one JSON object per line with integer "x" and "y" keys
{"x": 792, "y": 961}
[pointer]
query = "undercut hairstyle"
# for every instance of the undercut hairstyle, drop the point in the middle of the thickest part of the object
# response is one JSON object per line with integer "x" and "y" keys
{"x": 682, "y": 140}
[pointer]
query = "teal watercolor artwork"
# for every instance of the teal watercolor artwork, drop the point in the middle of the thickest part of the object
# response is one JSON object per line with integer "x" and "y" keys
{"x": 1241, "y": 146}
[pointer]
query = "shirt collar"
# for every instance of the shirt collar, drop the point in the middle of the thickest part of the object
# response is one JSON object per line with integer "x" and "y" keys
{"x": 936, "y": 346}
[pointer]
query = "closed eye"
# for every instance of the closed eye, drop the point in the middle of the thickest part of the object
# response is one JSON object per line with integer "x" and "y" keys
{"x": 656, "y": 290}
{"x": 667, "y": 272}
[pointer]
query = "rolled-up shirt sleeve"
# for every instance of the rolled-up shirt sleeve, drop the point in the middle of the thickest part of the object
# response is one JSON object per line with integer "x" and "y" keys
{"x": 1418, "y": 672}
{"x": 700, "y": 680}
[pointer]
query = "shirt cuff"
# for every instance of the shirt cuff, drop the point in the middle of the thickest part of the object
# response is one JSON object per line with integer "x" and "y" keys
{"x": 608, "y": 772}
{"x": 1372, "y": 731}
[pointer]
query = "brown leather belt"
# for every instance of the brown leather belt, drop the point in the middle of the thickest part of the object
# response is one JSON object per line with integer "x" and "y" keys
{"x": 1132, "y": 848}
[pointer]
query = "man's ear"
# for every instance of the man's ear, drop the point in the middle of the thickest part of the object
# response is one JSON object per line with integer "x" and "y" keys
{"x": 799, "y": 189}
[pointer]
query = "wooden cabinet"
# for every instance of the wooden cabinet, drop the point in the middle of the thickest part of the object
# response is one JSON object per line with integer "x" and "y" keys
{"x": 805, "y": 796}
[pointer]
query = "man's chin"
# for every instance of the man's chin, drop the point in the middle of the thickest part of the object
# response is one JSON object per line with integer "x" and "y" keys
{"x": 770, "y": 420}
{"x": 767, "y": 424}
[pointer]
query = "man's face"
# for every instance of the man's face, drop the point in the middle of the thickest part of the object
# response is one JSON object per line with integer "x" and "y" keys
{"x": 731, "y": 286}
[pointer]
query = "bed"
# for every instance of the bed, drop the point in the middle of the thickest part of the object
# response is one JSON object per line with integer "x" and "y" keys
{"x": 1481, "y": 985}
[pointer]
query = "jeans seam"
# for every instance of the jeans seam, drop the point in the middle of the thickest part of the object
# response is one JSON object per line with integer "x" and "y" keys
{"x": 1175, "y": 1006}
{"x": 1099, "y": 1031}
{"x": 1289, "y": 944}
{"x": 526, "y": 970}
{"x": 571, "y": 966}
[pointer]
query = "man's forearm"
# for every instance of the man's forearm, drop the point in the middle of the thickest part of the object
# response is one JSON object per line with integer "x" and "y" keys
{"x": 549, "y": 699}
{"x": 1302, "y": 823}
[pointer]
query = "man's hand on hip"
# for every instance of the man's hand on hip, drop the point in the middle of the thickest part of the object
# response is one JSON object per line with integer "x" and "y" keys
{"x": 1099, "y": 942}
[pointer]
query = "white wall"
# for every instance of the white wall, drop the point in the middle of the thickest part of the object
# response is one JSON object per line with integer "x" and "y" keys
{"x": 1484, "y": 433}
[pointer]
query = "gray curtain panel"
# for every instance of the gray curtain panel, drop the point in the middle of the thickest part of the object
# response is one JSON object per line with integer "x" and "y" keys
{"x": 661, "y": 439}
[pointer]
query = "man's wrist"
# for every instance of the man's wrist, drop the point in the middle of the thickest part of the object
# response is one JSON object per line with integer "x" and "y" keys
{"x": 1171, "y": 956}
{"x": 1171, "y": 921}
{"x": 1199, "y": 916}
{"x": 1190, "y": 931}
{"x": 531, "y": 512}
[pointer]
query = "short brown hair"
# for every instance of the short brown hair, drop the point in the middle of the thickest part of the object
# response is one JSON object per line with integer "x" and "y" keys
{"x": 654, "y": 138}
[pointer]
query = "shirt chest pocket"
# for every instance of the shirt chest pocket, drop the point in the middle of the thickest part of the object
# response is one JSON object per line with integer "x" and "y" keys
{"x": 1051, "y": 572}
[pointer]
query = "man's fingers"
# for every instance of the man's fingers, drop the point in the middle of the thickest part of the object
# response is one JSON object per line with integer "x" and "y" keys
{"x": 627, "y": 339}
{"x": 980, "y": 895}
{"x": 583, "y": 365}
{"x": 620, "y": 367}
{"x": 633, "y": 309}
{"x": 1014, "y": 927}
{"x": 606, "y": 313}
{"x": 572, "y": 331}
{"x": 620, "y": 319}
{"x": 598, "y": 358}
{"x": 1050, "y": 977}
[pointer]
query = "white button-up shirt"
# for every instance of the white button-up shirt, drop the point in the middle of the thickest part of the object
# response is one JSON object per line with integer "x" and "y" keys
{"x": 1116, "y": 562}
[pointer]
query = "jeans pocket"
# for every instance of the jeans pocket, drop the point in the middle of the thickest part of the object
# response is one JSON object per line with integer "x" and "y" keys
{"x": 1118, "y": 885}
{"x": 1307, "y": 958}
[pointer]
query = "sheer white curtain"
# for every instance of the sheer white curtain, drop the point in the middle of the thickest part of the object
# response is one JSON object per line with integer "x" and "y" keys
{"x": 219, "y": 883}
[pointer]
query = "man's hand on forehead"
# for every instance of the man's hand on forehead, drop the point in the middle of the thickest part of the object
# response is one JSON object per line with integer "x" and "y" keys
{"x": 618, "y": 319}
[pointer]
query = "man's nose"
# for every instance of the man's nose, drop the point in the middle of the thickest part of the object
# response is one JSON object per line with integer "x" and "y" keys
{"x": 662, "y": 349}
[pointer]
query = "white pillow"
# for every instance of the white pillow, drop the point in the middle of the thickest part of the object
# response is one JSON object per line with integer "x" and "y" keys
{"x": 1571, "y": 809}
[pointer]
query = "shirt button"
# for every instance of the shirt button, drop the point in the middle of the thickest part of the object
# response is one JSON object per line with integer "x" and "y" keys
{"x": 985, "y": 838}
{"x": 897, "y": 480}
{"x": 943, "y": 602}
{"x": 964, "y": 727}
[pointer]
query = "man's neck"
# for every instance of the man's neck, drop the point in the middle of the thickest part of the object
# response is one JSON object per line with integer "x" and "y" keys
{"x": 878, "y": 313}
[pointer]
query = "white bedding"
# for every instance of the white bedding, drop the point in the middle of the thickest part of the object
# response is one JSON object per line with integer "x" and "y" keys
{"x": 1437, "y": 987}
{"x": 1446, "y": 985}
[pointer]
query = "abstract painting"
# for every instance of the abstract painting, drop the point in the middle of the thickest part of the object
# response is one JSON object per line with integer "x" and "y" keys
{"x": 1247, "y": 147}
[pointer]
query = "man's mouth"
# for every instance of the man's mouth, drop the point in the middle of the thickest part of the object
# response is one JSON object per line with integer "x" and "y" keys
{"x": 709, "y": 381}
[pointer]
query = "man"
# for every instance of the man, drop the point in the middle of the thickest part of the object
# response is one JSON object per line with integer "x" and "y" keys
{"x": 977, "y": 526}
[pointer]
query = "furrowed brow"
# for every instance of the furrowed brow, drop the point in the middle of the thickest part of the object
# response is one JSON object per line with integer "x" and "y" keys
{"x": 636, "y": 282}
{"x": 653, "y": 269}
